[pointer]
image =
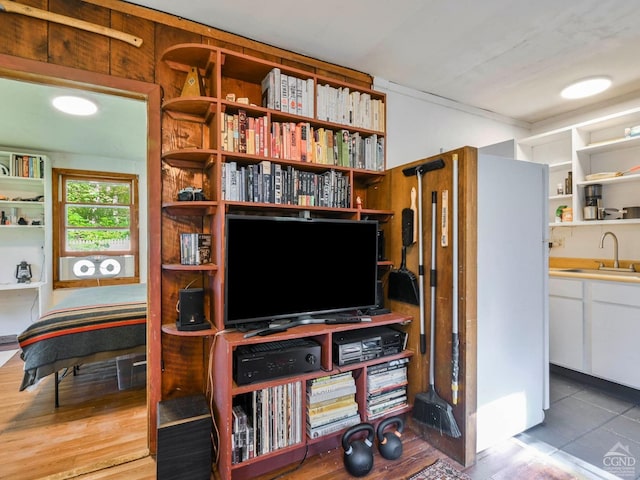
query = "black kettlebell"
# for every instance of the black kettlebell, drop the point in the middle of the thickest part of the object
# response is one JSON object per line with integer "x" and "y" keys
{"x": 358, "y": 455}
{"x": 389, "y": 444}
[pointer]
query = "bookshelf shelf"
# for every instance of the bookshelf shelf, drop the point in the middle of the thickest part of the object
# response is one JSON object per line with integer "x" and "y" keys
{"x": 229, "y": 126}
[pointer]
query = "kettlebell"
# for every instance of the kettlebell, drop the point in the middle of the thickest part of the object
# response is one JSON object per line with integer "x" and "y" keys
{"x": 358, "y": 455}
{"x": 389, "y": 444}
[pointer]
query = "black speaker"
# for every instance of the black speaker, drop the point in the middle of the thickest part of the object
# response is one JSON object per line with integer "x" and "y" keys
{"x": 184, "y": 439}
{"x": 191, "y": 310}
{"x": 381, "y": 256}
{"x": 379, "y": 294}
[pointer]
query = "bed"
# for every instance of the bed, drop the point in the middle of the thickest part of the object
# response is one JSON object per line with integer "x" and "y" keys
{"x": 90, "y": 325}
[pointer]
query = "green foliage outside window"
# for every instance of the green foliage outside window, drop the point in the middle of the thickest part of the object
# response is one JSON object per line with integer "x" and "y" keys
{"x": 98, "y": 215}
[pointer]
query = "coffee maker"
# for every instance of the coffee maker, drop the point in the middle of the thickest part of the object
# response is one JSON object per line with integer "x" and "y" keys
{"x": 593, "y": 209}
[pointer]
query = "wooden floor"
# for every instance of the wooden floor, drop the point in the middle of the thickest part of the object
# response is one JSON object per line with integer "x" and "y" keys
{"x": 98, "y": 433}
{"x": 95, "y": 426}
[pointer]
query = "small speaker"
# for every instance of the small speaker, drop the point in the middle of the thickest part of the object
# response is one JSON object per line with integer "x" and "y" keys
{"x": 381, "y": 256}
{"x": 191, "y": 310}
{"x": 379, "y": 294}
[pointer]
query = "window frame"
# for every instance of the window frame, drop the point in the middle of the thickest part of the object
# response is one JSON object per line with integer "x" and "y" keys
{"x": 59, "y": 177}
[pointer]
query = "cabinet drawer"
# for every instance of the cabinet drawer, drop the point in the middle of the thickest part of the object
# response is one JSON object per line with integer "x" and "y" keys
{"x": 610, "y": 292}
{"x": 565, "y": 288}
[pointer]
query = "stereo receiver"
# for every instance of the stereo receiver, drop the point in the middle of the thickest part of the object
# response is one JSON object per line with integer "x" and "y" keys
{"x": 355, "y": 346}
{"x": 264, "y": 361}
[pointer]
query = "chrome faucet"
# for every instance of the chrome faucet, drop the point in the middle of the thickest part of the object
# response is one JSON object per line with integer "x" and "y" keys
{"x": 616, "y": 264}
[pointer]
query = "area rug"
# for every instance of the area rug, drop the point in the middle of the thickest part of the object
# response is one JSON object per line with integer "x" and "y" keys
{"x": 440, "y": 470}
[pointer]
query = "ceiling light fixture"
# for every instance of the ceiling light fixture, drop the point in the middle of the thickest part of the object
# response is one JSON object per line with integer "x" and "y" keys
{"x": 586, "y": 88}
{"x": 75, "y": 105}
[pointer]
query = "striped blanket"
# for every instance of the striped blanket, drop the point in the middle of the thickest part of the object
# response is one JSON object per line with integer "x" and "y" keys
{"x": 89, "y": 325}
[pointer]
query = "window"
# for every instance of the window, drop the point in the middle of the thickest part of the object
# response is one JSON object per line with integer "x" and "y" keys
{"x": 95, "y": 228}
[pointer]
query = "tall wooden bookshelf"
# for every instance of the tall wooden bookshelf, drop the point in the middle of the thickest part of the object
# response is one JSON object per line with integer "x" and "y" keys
{"x": 221, "y": 119}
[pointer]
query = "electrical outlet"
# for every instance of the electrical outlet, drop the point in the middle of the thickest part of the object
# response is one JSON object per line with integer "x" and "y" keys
{"x": 557, "y": 242}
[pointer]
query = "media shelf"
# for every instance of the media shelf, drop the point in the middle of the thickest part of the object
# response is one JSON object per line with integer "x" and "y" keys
{"x": 225, "y": 389}
{"x": 192, "y": 208}
{"x": 172, "y": 329}
{"x": 178, "y": 267}
{"x": 198, "y": 152}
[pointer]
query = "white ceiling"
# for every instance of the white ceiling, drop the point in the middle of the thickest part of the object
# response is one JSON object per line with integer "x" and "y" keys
{"x": 29, "y": 122}
{"x": 511, "y": 57}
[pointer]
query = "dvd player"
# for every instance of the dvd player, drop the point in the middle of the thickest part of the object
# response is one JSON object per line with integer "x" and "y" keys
{"x": 355, "y": 346}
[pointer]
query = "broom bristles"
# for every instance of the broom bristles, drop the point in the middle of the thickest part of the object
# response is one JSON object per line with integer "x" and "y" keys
{"x": 431, "y": 410}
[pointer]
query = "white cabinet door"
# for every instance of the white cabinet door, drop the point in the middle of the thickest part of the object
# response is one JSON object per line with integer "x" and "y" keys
{"x": 566, "y": 333}
{"x": 566, "y": 323}
{"x": 615, "y": 331}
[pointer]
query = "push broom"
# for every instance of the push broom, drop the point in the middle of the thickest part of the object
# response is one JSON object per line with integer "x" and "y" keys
{"x": 429, "y": 408}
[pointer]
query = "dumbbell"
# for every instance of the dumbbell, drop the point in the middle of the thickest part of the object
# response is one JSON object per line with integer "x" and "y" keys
{"x": 358, "y": 454}
{"x": 389, "y": 444}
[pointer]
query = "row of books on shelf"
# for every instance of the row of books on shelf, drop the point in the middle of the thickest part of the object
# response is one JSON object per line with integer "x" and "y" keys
{"x": 245, "y": 134}
{"x": 301, "y": 141}
{"x": 386, "y": 387}
{"x": 27, "y": 166}
{"x": 268, "y": 182}
{"x": 358, "y": 109}
{"x": 287, "y": 93}
{"x": 331, "y": 404}
{"x": 266, "y": 420}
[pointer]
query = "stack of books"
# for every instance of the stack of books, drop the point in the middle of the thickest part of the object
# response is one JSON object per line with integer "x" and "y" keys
{"x": 331, "y": 404}
{"x": 195, "y": 248}
{"x": 386, "y": 387}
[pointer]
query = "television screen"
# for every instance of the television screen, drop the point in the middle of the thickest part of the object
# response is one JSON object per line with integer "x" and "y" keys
{"x": 282, "y": 267}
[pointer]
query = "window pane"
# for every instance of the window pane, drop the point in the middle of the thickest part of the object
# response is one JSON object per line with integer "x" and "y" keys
{"x": 97, "y": 216}
{"x": 97, "y": 240}
{"x": 91, "y": 191}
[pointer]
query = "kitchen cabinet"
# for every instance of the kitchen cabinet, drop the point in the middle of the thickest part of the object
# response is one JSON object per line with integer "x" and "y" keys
{"x": 595, "y": 146}
{"x": 615, "y": 330}
{"x": 594, "y": 327}
{"x": 566, "y": 323}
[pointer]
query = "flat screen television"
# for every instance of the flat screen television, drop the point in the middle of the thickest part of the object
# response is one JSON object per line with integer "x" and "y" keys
{"x": 289, "y": 267}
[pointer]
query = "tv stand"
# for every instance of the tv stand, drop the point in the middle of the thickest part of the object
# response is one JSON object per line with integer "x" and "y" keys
{"x": 227, "y": 393}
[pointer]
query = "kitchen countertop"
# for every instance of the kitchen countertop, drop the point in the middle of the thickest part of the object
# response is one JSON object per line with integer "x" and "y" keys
{"x": 563, "y": 267}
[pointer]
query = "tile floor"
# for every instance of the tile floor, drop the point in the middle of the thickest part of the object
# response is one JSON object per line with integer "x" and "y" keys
{"x": 595, "y": 427}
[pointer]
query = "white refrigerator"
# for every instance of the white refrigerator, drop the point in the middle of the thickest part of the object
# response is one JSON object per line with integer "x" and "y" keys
{"x": 512, "y": 282}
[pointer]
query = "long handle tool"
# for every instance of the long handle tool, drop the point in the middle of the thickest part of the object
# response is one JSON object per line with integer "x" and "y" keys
{"x": 455, "y": 341}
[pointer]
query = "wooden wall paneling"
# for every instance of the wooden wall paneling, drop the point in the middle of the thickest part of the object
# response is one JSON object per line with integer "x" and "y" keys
{"x": 462, "y": 449}
{"x": 24, "y": 36}
{"x": 468, "y": 225}
{"x": 77, "y": 48}
{"x": 184, "y": 366}
{"x": 127, "y": 60}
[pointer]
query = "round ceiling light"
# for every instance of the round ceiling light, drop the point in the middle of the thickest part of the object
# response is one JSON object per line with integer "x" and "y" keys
{"x": 586, "y": 88}
{"x": 75, "y": 105}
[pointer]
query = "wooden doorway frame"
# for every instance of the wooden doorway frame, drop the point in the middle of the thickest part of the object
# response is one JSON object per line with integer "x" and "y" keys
{"x": 17, "y": 68}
